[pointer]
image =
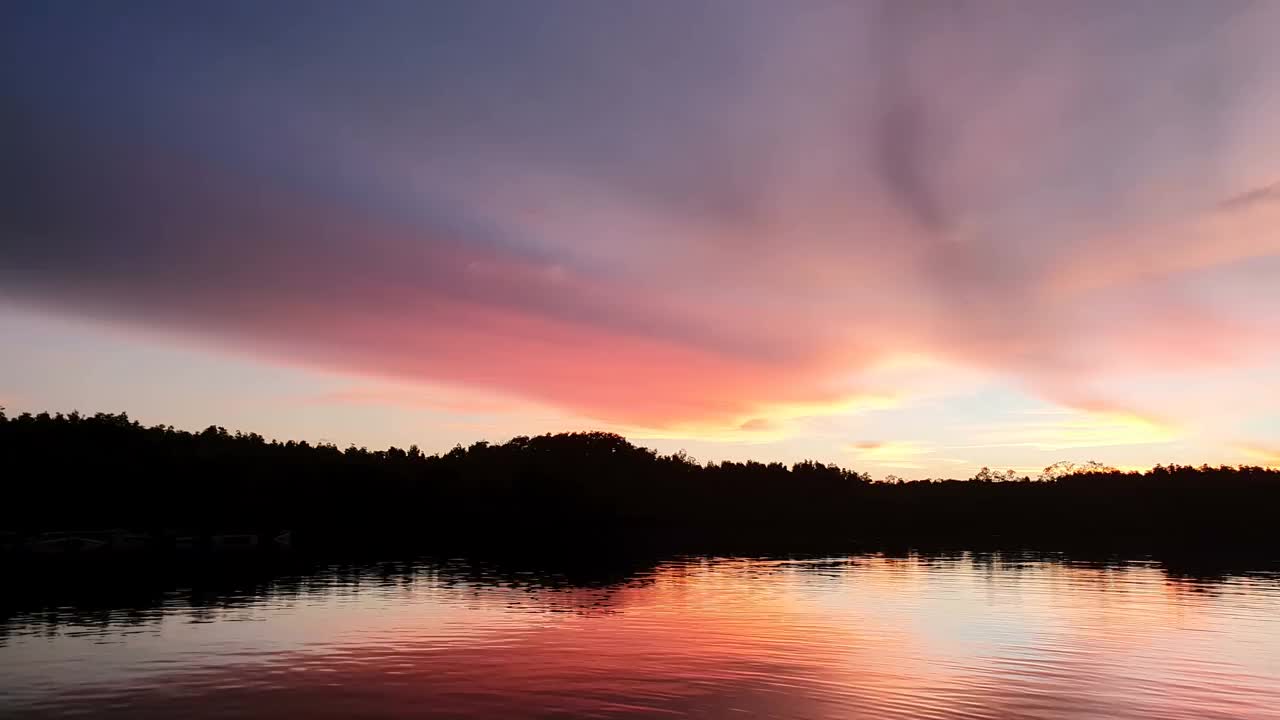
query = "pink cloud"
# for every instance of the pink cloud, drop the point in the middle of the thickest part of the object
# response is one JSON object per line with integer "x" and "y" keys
{"x": 1033, "y": 193}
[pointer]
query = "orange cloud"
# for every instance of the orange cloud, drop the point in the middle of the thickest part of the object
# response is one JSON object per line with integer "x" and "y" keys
{"x": 893, "y": 454}
{"x": 1268, "y": 456}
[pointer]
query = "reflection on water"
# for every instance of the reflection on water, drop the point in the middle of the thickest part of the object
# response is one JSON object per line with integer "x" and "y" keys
{"x": 874, "y": 636}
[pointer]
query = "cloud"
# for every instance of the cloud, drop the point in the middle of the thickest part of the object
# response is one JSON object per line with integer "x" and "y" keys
{"x": 1267, "y": 456}
{"x": 668, "y": 218}
{"x": 447, "y": 400}
{"x": 1076, "y": 429}
{"x": 892, "y": 454}
{"x": 1239, "y": 228}
{"x": 757, "y": 423}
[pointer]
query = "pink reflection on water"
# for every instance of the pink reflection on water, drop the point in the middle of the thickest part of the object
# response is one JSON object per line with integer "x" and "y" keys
{"x": 864, "y": 637}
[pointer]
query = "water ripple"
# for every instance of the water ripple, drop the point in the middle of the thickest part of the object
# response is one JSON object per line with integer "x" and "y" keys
{"x": 955, "y": 636}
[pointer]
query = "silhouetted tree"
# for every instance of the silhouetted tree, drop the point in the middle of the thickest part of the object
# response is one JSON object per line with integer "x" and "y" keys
{"x": 107, "y": 470}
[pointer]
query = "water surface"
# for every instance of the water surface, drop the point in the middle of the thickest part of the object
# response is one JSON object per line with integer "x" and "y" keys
{"x": 874, "y": 636}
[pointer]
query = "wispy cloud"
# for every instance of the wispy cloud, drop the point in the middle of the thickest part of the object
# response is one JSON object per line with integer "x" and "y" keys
{"x": 449, "y": 400}
{"x": 892, "y": 454}
{"x": 1075, "y": 429}
{"x": 1268, "y": 456}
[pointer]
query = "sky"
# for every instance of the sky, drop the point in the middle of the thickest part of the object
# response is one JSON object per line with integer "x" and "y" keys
{"x": 908, "y": 238}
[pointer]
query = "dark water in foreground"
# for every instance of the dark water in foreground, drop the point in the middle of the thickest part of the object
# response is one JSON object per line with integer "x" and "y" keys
{"x": 957, "y": 636}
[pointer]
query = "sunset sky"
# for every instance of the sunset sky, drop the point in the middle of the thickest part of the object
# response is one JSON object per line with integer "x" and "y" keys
{"x": 909, "y": 238}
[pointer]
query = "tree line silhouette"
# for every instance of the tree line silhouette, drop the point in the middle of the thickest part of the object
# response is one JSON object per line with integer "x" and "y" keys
{"x": 588, "y": 488}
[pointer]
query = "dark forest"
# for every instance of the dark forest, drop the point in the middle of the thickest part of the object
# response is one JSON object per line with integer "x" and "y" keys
{"x": 78, "y": 472}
